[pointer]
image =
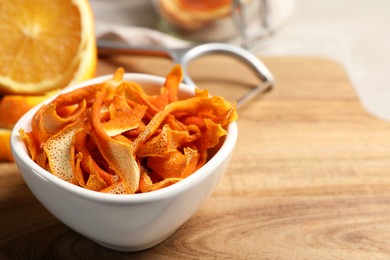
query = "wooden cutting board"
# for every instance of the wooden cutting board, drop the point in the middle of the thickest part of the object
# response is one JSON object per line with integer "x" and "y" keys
{"x": 309, "y": 179}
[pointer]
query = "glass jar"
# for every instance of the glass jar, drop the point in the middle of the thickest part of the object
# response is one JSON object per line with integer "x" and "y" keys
{"x": 213, "y": 20}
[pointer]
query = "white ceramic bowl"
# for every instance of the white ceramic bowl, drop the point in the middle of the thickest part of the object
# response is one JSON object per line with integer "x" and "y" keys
{"x": 123, "y": 222}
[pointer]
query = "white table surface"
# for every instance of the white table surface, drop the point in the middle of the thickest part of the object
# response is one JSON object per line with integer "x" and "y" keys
{"x": 355, "y": 33}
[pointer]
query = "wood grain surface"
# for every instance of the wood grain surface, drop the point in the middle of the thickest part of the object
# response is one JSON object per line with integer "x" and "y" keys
{"x": 309, "y": 179}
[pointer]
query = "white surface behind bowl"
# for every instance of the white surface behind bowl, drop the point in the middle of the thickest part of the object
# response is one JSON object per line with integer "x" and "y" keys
{"x": 123, "y": 222}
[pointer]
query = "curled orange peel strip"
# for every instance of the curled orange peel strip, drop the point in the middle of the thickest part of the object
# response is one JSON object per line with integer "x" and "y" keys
{"x": 123, "y": 117}
{"x": 175, "y": 164}
{"x": 147, "y": 185}
{"x": 166, "y": 141}
{"x": 119, "y": 155}
{"x": 58, "y": 151}
{"x": 51, "y": 123}
{"x": 87, "y": 163}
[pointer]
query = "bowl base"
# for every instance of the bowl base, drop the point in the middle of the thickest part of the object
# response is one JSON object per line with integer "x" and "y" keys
{"x": 130, "y": 248}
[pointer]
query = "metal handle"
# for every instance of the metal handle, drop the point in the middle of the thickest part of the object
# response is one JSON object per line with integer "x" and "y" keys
{"x": 243, "y": 55}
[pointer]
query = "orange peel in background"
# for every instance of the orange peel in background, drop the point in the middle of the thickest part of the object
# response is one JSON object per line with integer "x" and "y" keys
{"x": 191, "y": 15}
{"x": 113, "y": 137}
{"x": 12, "y": 107}
{"x": 5, "y": 146}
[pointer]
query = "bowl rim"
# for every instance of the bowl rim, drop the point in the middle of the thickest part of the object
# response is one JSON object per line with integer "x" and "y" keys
{"x": 21, "y": 156}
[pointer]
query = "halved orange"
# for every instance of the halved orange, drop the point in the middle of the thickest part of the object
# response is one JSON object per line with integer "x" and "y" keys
{"x": 45, "y": 45}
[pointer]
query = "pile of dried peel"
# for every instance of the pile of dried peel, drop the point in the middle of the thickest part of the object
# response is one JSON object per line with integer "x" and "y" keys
{"x": 113, "y": 137}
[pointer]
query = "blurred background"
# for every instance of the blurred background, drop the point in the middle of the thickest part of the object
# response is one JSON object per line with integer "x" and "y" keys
{"x": 355, "y": 33}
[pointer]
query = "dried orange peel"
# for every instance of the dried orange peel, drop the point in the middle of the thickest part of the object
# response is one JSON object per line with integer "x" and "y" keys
{"x": 113, "y": 137}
